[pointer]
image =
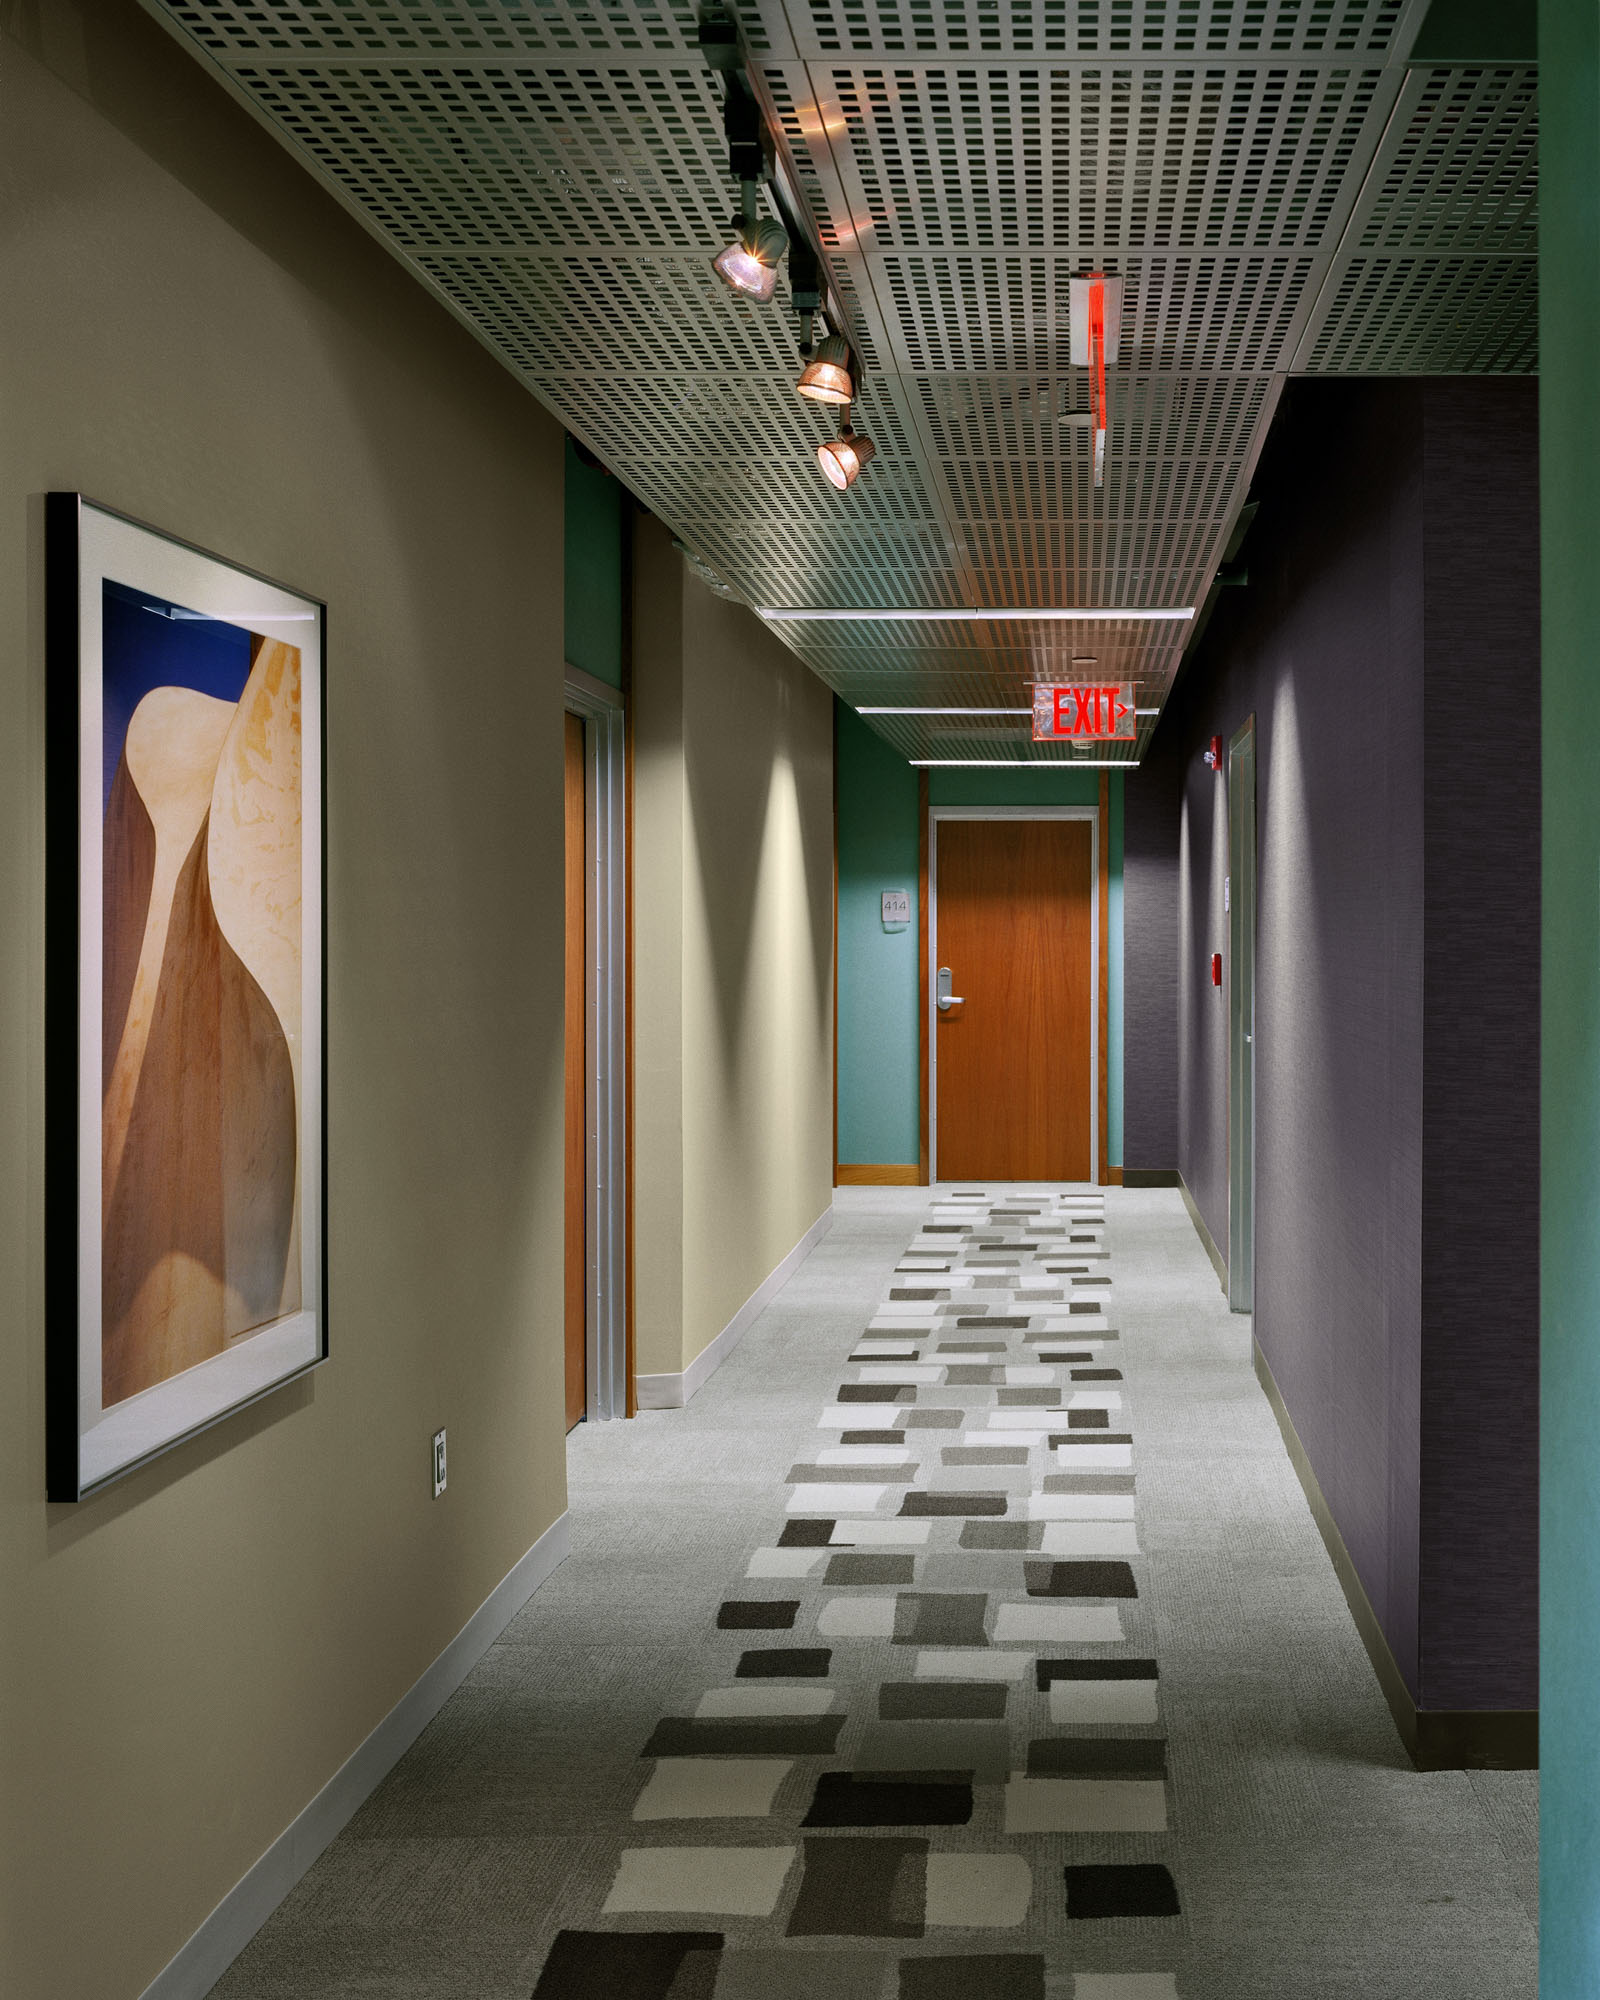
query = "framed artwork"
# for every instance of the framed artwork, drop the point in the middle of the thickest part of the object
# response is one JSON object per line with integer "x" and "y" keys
{"x": 185, "y": 1159}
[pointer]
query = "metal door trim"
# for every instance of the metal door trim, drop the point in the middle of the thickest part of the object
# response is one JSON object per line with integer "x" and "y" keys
{"x": 605, "y": 1020}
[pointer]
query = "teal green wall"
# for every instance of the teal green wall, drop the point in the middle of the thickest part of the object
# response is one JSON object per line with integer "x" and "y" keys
{"x": 1014, "y": 788}
{"x": 879, "y": 1062}
{"x": 879, "y": 1059}
{"x": 594, "y": 550}
{"x": 1569, "y": 1184}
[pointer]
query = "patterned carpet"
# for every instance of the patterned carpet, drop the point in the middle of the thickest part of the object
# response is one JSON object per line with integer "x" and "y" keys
{"x": 962, "y": 1629}
{"x": 929, "y": 1743}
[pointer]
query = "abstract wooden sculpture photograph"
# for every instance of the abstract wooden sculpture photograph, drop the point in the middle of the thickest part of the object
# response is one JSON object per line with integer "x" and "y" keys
{"x": 186, "y": 1239}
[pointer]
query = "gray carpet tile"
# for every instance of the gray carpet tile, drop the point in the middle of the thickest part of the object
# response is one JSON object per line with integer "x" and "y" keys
{"x": 1072, "y": 1612}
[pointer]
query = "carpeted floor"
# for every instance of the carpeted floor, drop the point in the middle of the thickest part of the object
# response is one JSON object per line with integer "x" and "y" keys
{"x": 968, "y": 1638}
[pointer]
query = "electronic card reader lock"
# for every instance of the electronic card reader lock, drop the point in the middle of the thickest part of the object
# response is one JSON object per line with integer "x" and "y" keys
{"x": 946, "y": 998}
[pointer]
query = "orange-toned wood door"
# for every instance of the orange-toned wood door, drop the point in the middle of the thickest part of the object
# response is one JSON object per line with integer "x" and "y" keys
{"x": 1013, "y": 919}
{"x": 577, "y": 1069}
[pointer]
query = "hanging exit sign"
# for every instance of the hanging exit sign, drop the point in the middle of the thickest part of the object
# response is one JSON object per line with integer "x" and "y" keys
{"x": 1084, "y": 714}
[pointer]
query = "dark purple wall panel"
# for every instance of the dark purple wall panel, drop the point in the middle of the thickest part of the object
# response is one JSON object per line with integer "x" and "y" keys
{"x": 1480, "y": 1215}
{"x": 1379, "y": 1156}
{"x": 1150, "y": 960}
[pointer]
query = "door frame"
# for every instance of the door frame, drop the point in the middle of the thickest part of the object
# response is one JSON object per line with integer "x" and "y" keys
{"x": 930, "y": 1039}
{"x": 605, "y": 918}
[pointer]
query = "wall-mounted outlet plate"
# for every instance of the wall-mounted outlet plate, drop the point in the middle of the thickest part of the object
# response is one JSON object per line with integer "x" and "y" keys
{"x": 438, "y": 1464}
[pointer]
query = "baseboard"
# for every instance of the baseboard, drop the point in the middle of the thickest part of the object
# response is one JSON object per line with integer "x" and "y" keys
{"x": 1113, "y": 1176}
{"x": 199, "y": 1964}
{"x": 1147, "y": 1177}
{"x": 671, "y": 1392}
{"x": 844, "y": 1176}
{"x": 1219, "y": 1263}
{"x": 1436, "y": 1739}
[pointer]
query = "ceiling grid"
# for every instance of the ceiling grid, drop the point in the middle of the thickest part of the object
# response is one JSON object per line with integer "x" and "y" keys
{"x": 1278, "y": 187}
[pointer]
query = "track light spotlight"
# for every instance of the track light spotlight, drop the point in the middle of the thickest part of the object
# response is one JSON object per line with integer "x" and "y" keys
{"x": 827, "y": 376}
{"x": 749, "y": 265}
{"x": 842, "y": 457}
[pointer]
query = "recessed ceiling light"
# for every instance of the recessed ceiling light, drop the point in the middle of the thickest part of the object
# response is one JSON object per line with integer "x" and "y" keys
{"x": 1005, "y": 614}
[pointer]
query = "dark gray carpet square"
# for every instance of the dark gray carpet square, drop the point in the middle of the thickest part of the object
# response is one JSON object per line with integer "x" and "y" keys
{"x": 1132, "y": 1889}
{"x": 784, "y": 1663}
{"x": 942, "y": 1701}
{"x": 758, "y": 1614}
{"x": 922, "y": 1504}
{"x": 843, "y": 1798}
{"x": 637, "y": 1965}
{"x": 808, "y": 1534}
{"x": 690, "y": 1736}
{"x": 1097, "y": 1757}
{"x": 983, "y": 1748}
{"x": 1079, "y": 1579}
{"x": 861, "y": 1888}
{"x": 850, "y": 1567}
{"x": 998, "y": 1977}
{"x": 940, "y": 1618}
{"x": 1047, "y": 1671}
{"x": 852, "y": 1475}
{"x": 1006, "y": 1535}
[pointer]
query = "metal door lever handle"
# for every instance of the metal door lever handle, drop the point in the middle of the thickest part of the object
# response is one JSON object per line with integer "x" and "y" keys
{"x": 949, "y": 1000}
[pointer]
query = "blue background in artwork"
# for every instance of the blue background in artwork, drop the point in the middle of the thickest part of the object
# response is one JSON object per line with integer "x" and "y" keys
{"x": 144, "y": 646}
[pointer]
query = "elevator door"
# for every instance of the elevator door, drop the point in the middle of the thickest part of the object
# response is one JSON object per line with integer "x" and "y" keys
{"x": 1014, "y": 952}
{"x": 1242, "y": 1019}
{"x": 576, "y": 1257}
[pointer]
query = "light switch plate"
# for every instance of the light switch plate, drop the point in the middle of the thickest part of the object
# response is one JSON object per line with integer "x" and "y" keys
{"x": 438, "y": 1464}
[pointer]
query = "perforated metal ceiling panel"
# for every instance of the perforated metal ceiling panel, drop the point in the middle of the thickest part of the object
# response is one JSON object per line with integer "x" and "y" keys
{"x": 1276, "y": 187}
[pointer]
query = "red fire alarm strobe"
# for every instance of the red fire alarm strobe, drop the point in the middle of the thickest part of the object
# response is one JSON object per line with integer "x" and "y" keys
{"x": 1216, "y": 968}
{"x": 1214, "y": 754}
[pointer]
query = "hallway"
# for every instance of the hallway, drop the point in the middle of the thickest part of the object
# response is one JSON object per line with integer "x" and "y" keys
{"x": 1309, "y": 1858}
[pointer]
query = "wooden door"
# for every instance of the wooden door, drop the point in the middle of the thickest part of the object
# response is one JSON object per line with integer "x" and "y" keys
{"x": 1013, "y": 918}
{"x": 577, "y": 1068}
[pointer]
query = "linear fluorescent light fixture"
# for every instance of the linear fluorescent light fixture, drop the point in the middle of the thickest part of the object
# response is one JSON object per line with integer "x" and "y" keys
{"x": 1006, "y": 614}
{"x": 947, "y": 711}
{"x": 1025, "y": 763}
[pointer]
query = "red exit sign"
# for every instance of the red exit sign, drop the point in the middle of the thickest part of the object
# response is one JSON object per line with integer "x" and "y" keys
{"x": 1084, "y": 714}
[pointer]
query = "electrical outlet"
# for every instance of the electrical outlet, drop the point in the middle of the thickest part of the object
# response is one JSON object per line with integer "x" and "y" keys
{"x": 438, "y": 1464}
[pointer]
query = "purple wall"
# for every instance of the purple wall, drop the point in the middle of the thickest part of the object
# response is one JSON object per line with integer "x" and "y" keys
{"x": 1480, "y": 1188}
{"x": 1392, "y": 581}
{"x": 1150, "y": 959}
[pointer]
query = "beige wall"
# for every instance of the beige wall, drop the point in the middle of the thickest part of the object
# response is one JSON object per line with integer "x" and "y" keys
{"x": 733, "y": 830}
{"x": 189, "y": 331}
